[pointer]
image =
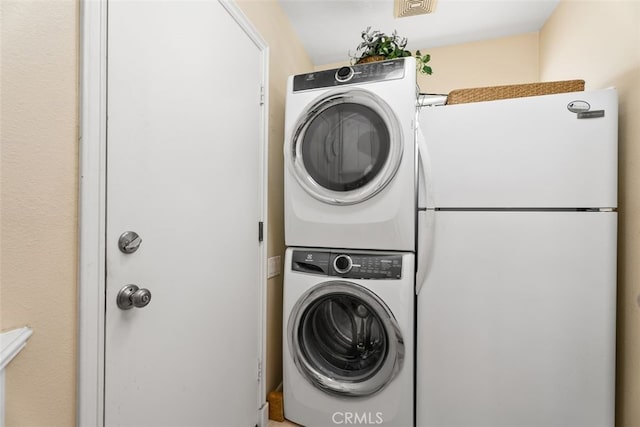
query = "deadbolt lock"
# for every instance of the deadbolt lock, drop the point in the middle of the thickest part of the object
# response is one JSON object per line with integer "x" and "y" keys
{"x": 129, "y": 242}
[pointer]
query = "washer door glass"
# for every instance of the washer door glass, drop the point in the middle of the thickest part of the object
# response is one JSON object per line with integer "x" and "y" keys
{"x": 347, "y": 147}
{"x": 344, "y": 339}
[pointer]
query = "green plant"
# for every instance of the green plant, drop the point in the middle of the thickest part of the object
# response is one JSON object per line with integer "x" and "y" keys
{"x": 377, "y": 43}
{"x": 421, "y": 63}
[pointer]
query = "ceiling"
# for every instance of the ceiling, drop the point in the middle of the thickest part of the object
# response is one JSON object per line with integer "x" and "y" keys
{"x": 330, "y": 29}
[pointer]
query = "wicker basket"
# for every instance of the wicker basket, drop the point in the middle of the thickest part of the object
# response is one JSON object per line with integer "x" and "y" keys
{"x": 463, "y": 96}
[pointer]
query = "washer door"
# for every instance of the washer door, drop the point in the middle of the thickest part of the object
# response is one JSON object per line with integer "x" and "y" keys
{"x": 345, "y": 340}
{"x": 346, "y": 147}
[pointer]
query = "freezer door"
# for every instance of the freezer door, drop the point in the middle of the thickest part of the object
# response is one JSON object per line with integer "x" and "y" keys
{"x": 516, "y": 321}
{"x": 523, "y": 153}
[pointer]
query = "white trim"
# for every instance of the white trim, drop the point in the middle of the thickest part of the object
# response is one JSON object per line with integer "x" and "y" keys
{"x": 261, "y": 44}
{"x": 11, "y": 342}
{"x": 92, "y": 207}
{"x": 263, "y": 416}
{"x": 91, "y": 275}
{"x": 244, "y": 23}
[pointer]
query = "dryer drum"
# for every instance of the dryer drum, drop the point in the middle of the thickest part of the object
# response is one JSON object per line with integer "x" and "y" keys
{"x": 345, "y": 339}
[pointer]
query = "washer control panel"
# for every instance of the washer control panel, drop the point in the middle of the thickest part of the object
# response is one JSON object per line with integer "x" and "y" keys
{"x": 350, "y": 265}
{"x": 363, "y": 73}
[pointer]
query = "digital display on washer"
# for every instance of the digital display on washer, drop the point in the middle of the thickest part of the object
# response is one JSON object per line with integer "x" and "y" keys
{"x": 348, "y": 265}
{"x": 366, "y": 266}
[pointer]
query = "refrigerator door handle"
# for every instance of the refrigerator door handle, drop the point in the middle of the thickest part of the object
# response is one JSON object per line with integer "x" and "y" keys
{"x": 426, "y": 217}
{"x": 424, "y": 171}
{"x": 425, "y": 253}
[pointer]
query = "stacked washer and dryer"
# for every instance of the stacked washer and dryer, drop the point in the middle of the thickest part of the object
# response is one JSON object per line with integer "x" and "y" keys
{"x": 350, "y": 228}
{"x": 515, "y": 227}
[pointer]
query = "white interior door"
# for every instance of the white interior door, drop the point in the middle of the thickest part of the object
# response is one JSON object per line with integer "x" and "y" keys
{"x": 184, "y": 171}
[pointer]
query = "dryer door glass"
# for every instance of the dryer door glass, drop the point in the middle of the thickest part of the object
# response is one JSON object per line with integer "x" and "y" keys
{"x": 347, "y": 147}
{"x": 345, "y": 340}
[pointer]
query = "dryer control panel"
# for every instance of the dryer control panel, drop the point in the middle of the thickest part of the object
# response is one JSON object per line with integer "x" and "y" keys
{"x": 349, "y": 265}
{"x": 363, "y": 73}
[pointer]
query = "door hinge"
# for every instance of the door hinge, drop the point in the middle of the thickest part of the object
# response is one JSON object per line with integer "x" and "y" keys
{"x": 259, "y": 370}
{"x": 261, "y": 95}
{"x": 260, "y": 231}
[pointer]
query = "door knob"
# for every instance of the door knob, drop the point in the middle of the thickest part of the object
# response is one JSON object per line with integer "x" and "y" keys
{"x": 132, "y": 296}
{"x": 129, "y": 242}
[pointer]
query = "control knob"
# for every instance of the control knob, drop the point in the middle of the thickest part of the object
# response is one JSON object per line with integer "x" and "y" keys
{"x": 344, "y": 74}
{"x": 342, "y": 264}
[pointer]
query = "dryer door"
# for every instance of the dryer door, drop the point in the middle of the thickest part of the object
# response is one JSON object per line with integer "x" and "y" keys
{"x": 344, "y": 339}
{"x": 346, "y": 147}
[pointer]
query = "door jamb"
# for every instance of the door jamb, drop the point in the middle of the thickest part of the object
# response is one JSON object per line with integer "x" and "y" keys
{"x": 92, "y": 207}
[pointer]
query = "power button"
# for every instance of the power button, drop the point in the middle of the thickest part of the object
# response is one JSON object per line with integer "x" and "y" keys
{"x": 344, "y": 74}
{"x": 342, "y": 264}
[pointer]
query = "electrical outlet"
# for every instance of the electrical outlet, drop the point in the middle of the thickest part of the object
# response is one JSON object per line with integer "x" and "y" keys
{"x": 273, "y": 266}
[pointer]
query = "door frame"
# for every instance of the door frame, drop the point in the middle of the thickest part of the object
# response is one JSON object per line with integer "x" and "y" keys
{"x": 92, "y": 207}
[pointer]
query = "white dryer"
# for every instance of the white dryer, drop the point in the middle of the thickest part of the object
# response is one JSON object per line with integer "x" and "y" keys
{"x": 350, "y": 157}
{"x": 348, "y": 338}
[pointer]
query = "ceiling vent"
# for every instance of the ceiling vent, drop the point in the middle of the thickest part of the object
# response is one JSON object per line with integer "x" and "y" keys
{"x": 413, "y": 7}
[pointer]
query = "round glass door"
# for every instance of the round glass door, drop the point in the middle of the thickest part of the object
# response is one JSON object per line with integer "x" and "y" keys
{"x": 346, "y": 147}
{"x": 344, "y": 339}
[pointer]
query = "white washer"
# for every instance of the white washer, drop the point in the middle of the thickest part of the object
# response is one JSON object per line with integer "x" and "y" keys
{"x": 348, "y": 340}
{"x": 350, "y": 157}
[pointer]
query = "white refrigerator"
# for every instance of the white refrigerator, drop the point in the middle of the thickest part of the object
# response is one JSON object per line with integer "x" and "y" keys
{"x": 516, "y": 282}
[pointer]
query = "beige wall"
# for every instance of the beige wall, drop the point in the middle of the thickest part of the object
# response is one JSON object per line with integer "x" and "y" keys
{"x": 38, "y": 127}
{"x": 287, "y": 56}
{"x": 507, "y": 60}
{"x": 599, "y": 41}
